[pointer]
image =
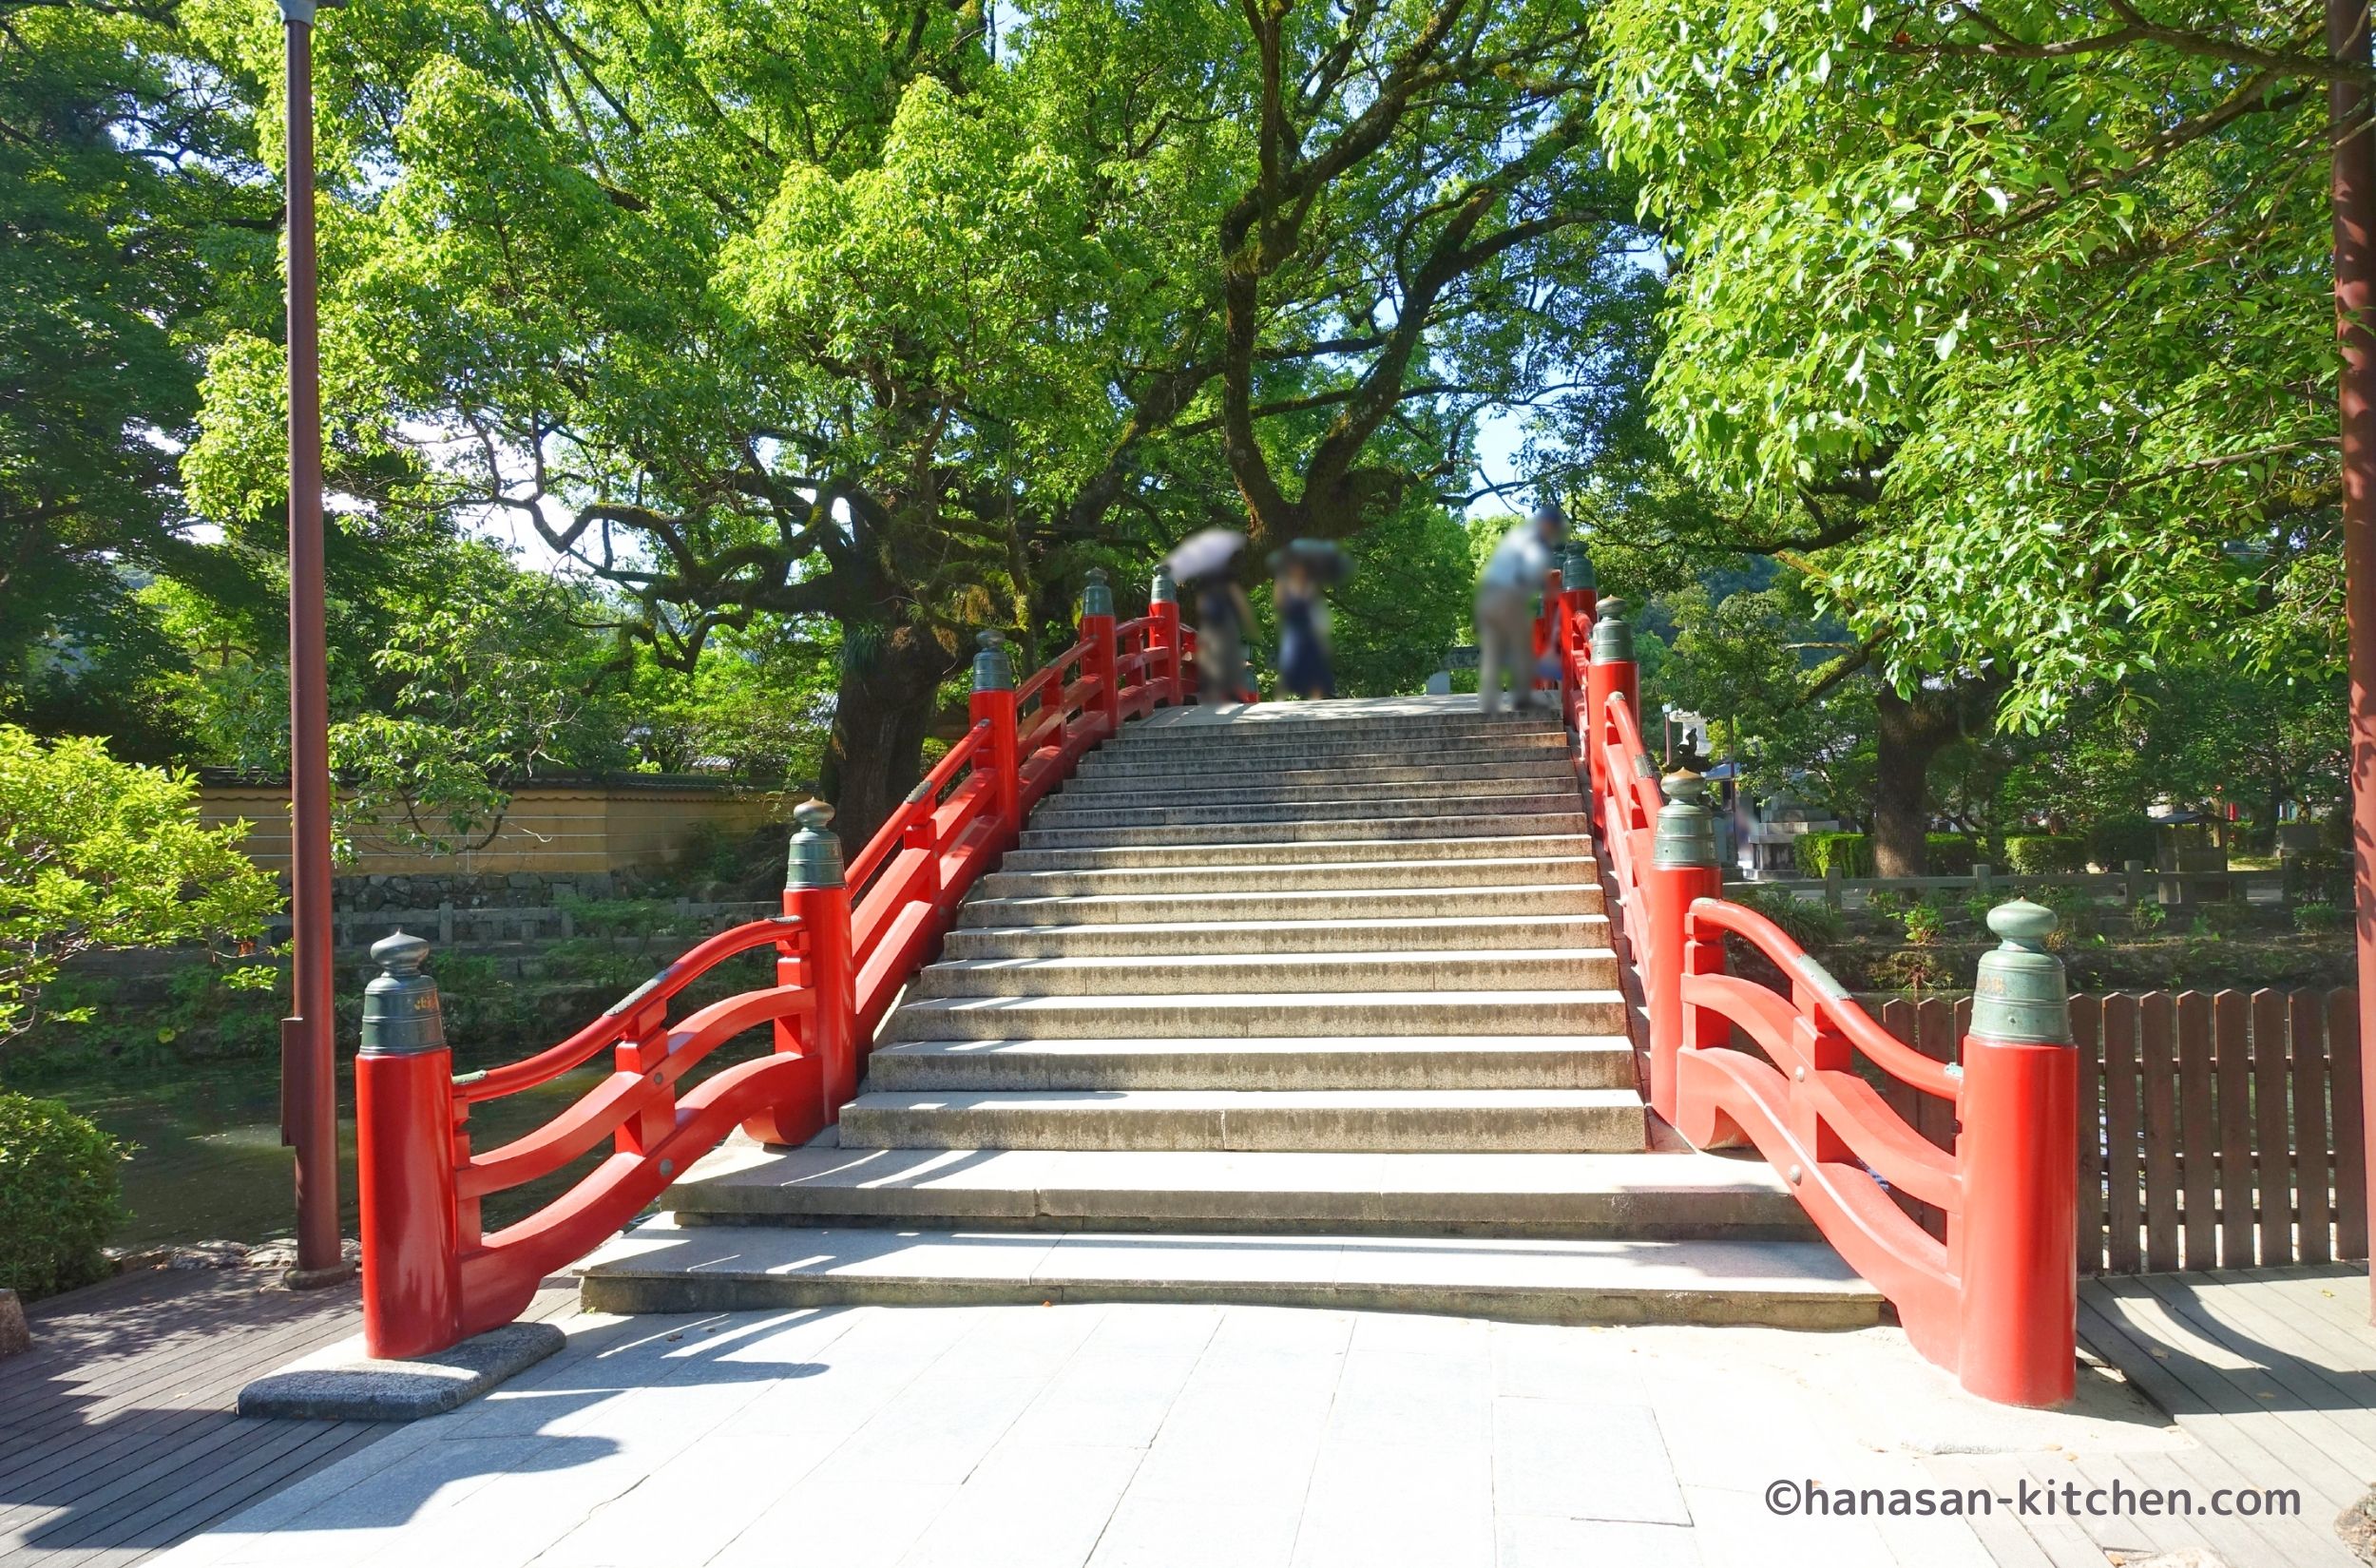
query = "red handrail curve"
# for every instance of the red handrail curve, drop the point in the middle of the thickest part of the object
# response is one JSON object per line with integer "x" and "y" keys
{"x": 431, "y": 1278}
{"x": 1996, "y": 1302}
{"x": 495, "y": 1082}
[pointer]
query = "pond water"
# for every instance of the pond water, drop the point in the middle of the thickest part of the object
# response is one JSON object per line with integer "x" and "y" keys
{"x": 208, "y": 1164}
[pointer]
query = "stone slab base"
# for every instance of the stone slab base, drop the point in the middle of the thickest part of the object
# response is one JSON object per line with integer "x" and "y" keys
{"x": 340, "y": 1382}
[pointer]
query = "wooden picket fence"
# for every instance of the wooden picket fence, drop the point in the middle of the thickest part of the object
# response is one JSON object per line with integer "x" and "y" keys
{"x": 2217, "y": 1129}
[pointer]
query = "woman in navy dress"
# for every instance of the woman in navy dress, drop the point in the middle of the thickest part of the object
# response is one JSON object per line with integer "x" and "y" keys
{"x": 1303, "y": 649}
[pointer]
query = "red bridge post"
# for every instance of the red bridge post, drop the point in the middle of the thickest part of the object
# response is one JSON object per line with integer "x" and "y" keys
{"x": 1163, "y": 634}
{"x": 1100, "y": 662}
{"x": 1612, "y": 674}
{"x": 1682, "y": 868}
{"x": 1578, "y": 590}
{"x": 404, "y": 1115}
{"x": 2015, "y": 1247}
{"x": 1550, "y": 627}
{"x": 814, "y": 892}
{"x": 994, "y": 701}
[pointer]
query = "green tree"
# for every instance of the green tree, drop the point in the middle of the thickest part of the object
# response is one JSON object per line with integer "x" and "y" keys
{"x": 133, "y": 235}
{"x": 878, "y": 318}
{"x": 2010, "y": 322}
{"x": 96, "y": 852}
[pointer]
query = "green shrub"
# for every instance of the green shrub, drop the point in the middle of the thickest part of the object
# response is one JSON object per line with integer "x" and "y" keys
{"x": 2319, "y": 915}
{"x": 1882, "y": 904}
{"x": 1850, "y": 852}
{"x": 61, "y": 1196}
{"x": 1950, "y": 854}
{"x": 2075, "y": 914}
{"x": 1813, "y": 925}
{"x": 1915, "y": 968}
{"x": 2117, "y": 840}
{"x": 2148, "y": 914}
{"x": 2045, "y": 854}
{"x": 1925, "y": 923}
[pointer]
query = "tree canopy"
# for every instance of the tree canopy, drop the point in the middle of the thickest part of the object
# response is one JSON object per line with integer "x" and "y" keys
{"x": 895, "y": 317}
{"x": 2010, "y": 323}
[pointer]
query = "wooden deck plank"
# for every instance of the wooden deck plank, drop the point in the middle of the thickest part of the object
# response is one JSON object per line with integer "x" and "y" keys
{"x": 2232, "y": 1057}
{"x": 228, "y": 1453}
{"x": 2199, "y": 1130}
{"x": 2123, "y": 1136}
{"x": 2158, "y": 1080}
{"x": 201, "y": 1364}
{"x": 158, "y": 1515}
{"x": 2337, "y": 1292}
{"x": 2248, "y": 1436}
{"x": 2300, "y": 1541}
{"x": 2311, "y": 1173}
{"x": 2272, "y": 1111}
{"x": 112, "y": 1431}
{"x": 2271, "y": 1385}
{"x": 2273, "y": 1371}
{"x": 2320, "y": 1353}
{"x": 2003, "y": 1536}
{"x": 119, "y": 1427}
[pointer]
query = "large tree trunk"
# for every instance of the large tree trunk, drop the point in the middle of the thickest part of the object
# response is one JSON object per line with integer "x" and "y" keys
{"x": 1911, "y": 732}
{"x": 1901, "y": 788}
{"x": 888, "y": 687}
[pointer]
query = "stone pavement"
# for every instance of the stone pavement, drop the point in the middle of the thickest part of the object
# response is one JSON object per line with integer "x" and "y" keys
{"x": 1045, "y": 1436}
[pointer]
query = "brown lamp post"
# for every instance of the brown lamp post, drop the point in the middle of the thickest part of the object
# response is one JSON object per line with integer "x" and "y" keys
{"x": 309, "y": 1068}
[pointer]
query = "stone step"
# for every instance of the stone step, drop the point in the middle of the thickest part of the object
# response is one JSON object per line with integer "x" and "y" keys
{"x": 1182, "y": 937}
{"x": 1545, "y": 898}
{"x": 1562, "y": 810}
{"x": 1450, "y": 725}
{"x": 1381, "y": 829}
{"x": 1276, "y": 972}
{"x": 1124, "y": 855}
{"x": 1394, "y": 1062}
{"x": 1353, "y": 1120}
{"x": 1120, "y": 775}
{"x": 1189, "y": 789}
{"x": 1348, "y": 750}
{"x": 663, "y": 1267}
{"x": 1254, "y": 1014}
{"x": 1677, "y": 1196}
{"x": 1224, "y": 877}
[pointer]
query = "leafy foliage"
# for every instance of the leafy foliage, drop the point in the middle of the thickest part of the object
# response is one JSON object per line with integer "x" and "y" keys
{"x": 1813, "y": 926}
{"x": 2009, "y": 322}
{"x": 99, "y": 852}
{"x": 2043, "y": 855}
{"x": 59, "y": 1197}
{"x": 1822, "y": 855}
{"x": 132, "y": 234}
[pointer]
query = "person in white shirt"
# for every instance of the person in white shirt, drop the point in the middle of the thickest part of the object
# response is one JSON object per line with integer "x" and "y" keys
{"x": 1506, "y": 608}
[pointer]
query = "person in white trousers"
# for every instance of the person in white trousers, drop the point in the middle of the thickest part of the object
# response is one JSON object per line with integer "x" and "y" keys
{"x": 1506, "y": 590}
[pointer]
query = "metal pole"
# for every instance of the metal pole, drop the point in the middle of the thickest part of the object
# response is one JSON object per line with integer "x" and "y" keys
{"x": 309, "y": 1070}
{"x": 2355, "y": 174}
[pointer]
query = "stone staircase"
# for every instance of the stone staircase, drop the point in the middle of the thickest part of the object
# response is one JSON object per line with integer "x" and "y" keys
{"x": 1309, "y": 1003}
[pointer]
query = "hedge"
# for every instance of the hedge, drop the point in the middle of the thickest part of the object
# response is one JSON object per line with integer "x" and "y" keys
{"x": 2044, "y": 854}
{"x": 1819, "y": 853}
{"x": 61, "y": 1196}
{"x": 2117, "y": 840}
{"x": 1950, "y": 854}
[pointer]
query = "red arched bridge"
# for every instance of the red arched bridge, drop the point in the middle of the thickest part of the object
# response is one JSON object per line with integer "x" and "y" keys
{"x": 1464, "y": 944}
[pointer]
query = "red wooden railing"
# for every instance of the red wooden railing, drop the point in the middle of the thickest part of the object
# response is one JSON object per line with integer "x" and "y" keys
{"x": 846, "y": 943}
{"x": 1995, "y": 1301}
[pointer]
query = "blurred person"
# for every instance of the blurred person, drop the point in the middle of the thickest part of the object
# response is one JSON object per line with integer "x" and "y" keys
{"x": 1506, "y": 590}
{"x": 1303, "y": 641}
{"x": 1223, "y": 617}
